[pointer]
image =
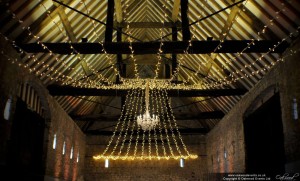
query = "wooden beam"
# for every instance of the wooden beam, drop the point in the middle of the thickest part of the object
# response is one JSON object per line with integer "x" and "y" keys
{"x": 224, "y": 33}
{"x": 57, "y": 90}
{"x": 206, "y": 17}
{"x": 96, "y": 20}
{"x": 175, "y": 11}
{"x": 69, "y": 30}
{"x": 198, "y": 47}
{"x": 66, "y": 23}
{"x": 147, "y": 24}
{"x": 119, "y": 13}
{"x": 186, "y": 34}
{"x": 109, "y": 21}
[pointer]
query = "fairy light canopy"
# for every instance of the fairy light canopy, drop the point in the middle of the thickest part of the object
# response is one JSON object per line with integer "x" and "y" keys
{"x": 159, "y": 138}
{"x": 67, "y": 22}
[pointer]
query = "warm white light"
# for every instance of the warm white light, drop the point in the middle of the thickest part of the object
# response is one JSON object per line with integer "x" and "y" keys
{"x": 106, "y": 163}
{"x": 181, "y": 162}
{"x": 77, "y": 160}
{"x": 64, "y": 148}
{"x": 54, "y": 142}
{"x": 71, "y": 154}
{"x": 146, "y": 121}
{"x": 7, "y": 109}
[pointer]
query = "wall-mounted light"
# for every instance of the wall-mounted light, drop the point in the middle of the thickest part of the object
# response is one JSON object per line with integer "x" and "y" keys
{"x": 295, "y": 109}
{"x": 64, "y": 148}
{"x": 77, "y": 160}
{"x": 71, "y": 154}
{"x": 106, "y": 164}
{"x": 225, "y": 154}
{"x": 54, "y": 142}
{"x": 7, "y": 109}
{"x": 181, "y": 162}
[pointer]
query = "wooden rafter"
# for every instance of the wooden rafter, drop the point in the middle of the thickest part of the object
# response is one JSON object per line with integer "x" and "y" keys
{"x": 186, "y": 34}
{"x": 178, "y": 47}
{"x": 57, "y": 90}
{"x": 69, "y": 30}
{"x": 109, "y": 21}
{"x": 119, "y": 13}
{"x": 224, "y": 33}
{"x": 148, "y": 24}
{"x": 175, "y": 11}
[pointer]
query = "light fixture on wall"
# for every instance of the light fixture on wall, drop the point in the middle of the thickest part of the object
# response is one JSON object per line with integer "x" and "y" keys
{"x": 77, "y": 160}
{"x": 181, "y": 163}
{"x": 106, "y": 163}
{"x": 54, "y": 142}
{"x": 295, "y": 109}
{"x": 64, "y": 148}
{"x": 71, "y": 154}
{"x": 146, "y": 121}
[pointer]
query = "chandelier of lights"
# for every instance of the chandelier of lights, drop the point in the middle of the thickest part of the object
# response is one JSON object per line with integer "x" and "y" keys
{"x": 146, "y": 121}
{"x": 139, "y": 136}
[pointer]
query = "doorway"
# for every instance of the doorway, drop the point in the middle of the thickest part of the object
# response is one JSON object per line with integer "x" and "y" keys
{"x": 264, "y": 139}
{"x": 25, "y": 156}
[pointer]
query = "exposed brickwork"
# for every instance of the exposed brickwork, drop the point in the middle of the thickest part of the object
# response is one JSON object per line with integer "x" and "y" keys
{"x": 59, "y": 165}
{"x": 229, "y": 133}
{"x": 145, "y": 170}
{"x": 57, "y": 121}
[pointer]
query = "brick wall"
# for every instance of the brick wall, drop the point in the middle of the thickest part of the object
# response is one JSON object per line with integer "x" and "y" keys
{"x": 57, "y": 121}
{"x": 60, "y": 165}
{"x": 145, "y": 170}
{"x": 228, "y": 135}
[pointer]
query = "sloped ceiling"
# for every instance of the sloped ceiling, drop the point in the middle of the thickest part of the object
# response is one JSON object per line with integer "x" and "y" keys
{"x": 74, "y": 21}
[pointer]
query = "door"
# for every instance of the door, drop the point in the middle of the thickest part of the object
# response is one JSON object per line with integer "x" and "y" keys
{"x": 264, "y": 139}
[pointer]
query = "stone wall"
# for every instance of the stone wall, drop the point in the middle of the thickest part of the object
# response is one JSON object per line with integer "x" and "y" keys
{"x": 145, "y": 170}
{"x": 228, "y": 135}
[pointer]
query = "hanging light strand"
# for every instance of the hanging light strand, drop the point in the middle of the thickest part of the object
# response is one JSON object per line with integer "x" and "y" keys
{"x": 136, "y": 105}
{"x": 129, "y": 120}
{"x": 165, "y": 111}
{"x": 123, "y": 112}
{"x": 155, "y": 110}
{"x": 131, "y": 97}
{"x": 165, "y": 94}
{"x": 164, "y": 122}
{"x": 154, "y": 94}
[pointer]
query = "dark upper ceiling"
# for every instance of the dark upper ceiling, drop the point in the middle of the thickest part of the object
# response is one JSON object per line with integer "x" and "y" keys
{"x": 80, "y": 21}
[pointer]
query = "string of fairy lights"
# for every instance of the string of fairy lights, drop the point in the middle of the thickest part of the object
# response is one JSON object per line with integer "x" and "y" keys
{"x": 126, "y": 126}
{"x": 80, "y": 84}
{"x": 160, "y": 50}
{"x": 167, "y": 140}
{"x": 130, "y": 40}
